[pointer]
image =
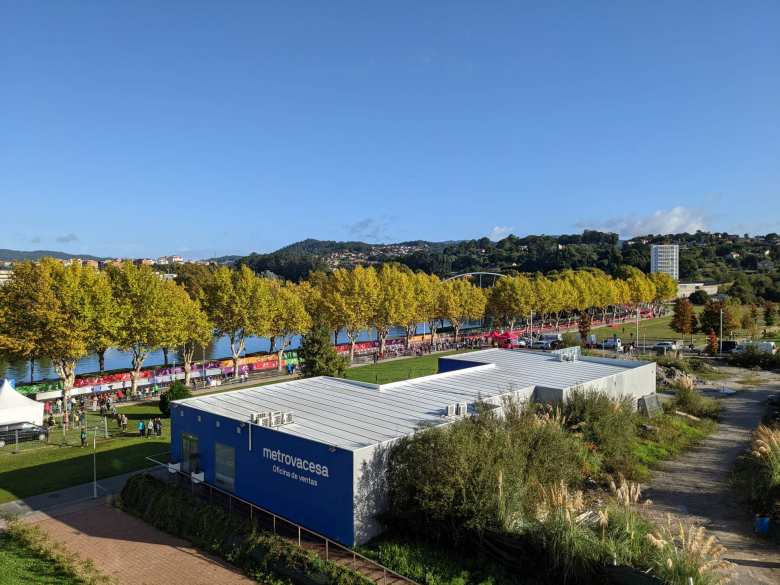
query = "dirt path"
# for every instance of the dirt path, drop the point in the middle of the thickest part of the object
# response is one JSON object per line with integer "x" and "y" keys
{"x": 696, "y": 487}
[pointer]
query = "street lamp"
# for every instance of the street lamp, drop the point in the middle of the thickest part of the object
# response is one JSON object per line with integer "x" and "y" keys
{"x": 720, "y": 339}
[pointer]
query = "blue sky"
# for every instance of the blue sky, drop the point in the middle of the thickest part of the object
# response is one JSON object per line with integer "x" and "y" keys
{"x": 143, "y": 128}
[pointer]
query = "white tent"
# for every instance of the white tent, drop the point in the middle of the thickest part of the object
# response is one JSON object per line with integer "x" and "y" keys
{"x": 17, "y": 408}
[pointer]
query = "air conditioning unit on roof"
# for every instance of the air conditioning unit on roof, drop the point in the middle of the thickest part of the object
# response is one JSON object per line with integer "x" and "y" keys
{"x": 462, "y": 409}
{"x": 276, "y": 418}
{"x": 287, "y": 418}
{"x": 451, "y": 410}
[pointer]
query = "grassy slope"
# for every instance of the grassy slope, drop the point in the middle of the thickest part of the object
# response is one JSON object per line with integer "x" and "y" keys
{"x": 22, "y": 565}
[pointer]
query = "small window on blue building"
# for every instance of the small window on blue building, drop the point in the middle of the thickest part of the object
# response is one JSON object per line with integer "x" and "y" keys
{"x": 224, "y": 466}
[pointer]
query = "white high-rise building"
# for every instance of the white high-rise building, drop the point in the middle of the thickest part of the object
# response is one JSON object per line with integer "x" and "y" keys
{"x": 665, "y": 258}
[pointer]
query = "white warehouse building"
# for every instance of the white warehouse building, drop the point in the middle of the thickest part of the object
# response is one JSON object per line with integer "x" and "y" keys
{"x": 313, "y": 450}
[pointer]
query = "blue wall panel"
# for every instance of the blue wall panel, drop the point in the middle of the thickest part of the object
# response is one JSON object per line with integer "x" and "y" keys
{"x": 307, "y": 482}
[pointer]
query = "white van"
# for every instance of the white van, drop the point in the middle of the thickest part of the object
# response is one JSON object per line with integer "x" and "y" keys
{"x": 758, "y": 346}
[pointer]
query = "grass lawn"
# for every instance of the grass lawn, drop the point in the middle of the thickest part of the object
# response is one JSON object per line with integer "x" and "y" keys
{"x": 21, "y": 564}
{"x": 53, "y": 467}
{"x": 673, "y": 435}
{"x": 395, "y": 370}
{"x": 651, "y": 329}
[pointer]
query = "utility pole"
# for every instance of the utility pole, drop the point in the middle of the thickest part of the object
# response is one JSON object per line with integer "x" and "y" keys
{"x": 94, "y": 465}
{"x": 720, "y": 339}
{"x": 637, "y": 328}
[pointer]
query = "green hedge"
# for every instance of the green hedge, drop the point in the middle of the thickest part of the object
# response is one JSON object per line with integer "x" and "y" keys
{"x": 263, "y": 556}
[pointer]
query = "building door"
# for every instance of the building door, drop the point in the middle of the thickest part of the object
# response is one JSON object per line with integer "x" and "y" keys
{"x": 225, "y": 467}
{"x": 189, "y": 453}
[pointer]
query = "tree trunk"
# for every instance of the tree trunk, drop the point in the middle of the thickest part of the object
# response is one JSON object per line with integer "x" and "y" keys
{"x": 456, "y": 330}
{"x": 187, "y": 355}
{"x": 138, "y": 362}
{"x": 273, "y": 344}
{"x": 66, "y": 369}
{"x": 382, "y": 333}
{"x": 411, "y": 329}
{"x": 236, "y": 347}
{"x": 280, "y": 358}
{"x": 101, "y": 359}
{"x": 351, "y": 349}
{"x": 336, "y": 337}
{"x": 165, "y": 356}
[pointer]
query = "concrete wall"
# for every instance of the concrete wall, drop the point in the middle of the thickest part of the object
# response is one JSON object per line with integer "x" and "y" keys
{"x": 631, "y": 383}
{"x": 370, "y": 489}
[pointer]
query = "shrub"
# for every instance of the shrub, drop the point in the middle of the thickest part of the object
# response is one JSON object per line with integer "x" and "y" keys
{"x": 264, "y": 556}
{"x": 688, "y": 555}
{"x": 757, "y": 473}
{"x": 610, "y": 425}
{"x": 689, "y": 400}
{"x": 177, "y": 391}
{"x": 479, "y": 474}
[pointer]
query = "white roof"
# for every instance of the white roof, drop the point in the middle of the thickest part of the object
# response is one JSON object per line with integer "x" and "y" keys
{"x": 17, "y": 408}
{"x": 352, "y": 415}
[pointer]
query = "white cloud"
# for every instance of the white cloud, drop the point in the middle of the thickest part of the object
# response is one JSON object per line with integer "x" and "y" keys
{"x": 500, "y": 232}
{"x": 673, "y": 221}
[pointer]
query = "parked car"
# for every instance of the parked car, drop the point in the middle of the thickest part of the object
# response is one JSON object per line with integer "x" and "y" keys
{"x": 666, "y": 346}
{"x": 613, "y": 343}
{"x": 729, "y": 345}
{"x": 541, "y": 344}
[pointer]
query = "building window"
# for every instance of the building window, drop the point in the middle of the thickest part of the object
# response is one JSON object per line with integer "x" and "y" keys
{"x": 224, "y": 466}
{"x": 189, "y": 453}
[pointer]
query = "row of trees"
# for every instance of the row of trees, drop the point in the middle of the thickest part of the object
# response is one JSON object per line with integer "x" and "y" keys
{"x": 730, "y": 313}
{"x": 65, "y": 312}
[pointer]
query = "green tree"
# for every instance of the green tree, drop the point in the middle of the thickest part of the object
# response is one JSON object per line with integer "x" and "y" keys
{"x": 142, "y": 297}
{"x": 288, "y": 316}
{"x": 396, "y": 303}
{"x": 510, "y": 298}
{"x": 188, "y": 326}
{"x": 238, "y": 307}
{"x": 665, "y": 288}
{"x": 46, "y": 312}
{"x": 709, "y": 320}
{"x": 699, "y": 297}
{"x": 351, "y": 297}
{"x": 461, "y": 301}
{"x": 317, "y": 355}
{"x": 770, "y": 314}
{"x": 107, "y": 319}
{"x": 177, "y": 391}
{"x": 684, "y": 318}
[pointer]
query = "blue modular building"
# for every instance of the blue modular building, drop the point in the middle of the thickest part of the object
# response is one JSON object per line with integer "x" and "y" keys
{"x": 313, "y": 450}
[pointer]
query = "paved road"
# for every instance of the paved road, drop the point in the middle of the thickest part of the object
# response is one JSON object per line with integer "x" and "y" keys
{"x": 696, "y": 487}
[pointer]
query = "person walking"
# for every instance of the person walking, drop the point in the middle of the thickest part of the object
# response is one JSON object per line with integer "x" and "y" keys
{"x": 141, "y": 428}
{"x": 83, "y": 437}
{"x": 124, "y": 423}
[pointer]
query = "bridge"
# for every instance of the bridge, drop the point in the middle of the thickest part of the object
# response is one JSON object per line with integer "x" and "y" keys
{"x": 480, "y": 275}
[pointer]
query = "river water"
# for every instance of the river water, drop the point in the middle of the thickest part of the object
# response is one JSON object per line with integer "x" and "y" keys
{"x": 219, "y": 348}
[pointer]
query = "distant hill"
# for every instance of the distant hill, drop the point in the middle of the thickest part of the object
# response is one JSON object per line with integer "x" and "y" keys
{"x": 37, "y": 254}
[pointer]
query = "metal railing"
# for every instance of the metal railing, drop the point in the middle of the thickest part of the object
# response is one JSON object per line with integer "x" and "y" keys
{"x": 291, "y": 531}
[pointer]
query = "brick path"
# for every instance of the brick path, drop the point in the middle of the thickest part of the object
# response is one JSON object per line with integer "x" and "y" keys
{"x": 132, "y": 552}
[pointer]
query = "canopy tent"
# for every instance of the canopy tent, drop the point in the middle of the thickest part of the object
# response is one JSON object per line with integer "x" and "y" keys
{"x": 17, "y": 408}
